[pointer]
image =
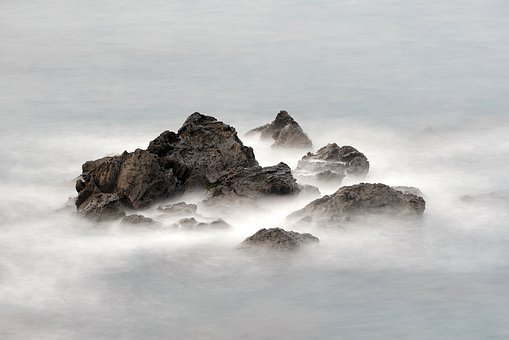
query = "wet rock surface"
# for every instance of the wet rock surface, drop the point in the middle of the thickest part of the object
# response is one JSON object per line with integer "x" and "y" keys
{"x": 285, "y": 132}
{"x": 356, "y": 200}
{"x": 333, "y": 163}
{"x": 278, "y": 239}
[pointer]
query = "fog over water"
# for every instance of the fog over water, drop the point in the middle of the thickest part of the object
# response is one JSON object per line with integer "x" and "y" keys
{"x": 420, "y": 87}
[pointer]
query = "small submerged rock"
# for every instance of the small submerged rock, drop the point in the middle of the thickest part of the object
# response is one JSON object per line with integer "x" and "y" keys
{"x": 361, "y": 199}
{"x": 500, "y": 196}
{"x": 180, "y": 208}
{"x": 136, "y": 219}
{"x": 278, "y": 239}
{"x": 191, "y": 224}
{"x": 285, "y": 132}
{"x": 333, "y": 163}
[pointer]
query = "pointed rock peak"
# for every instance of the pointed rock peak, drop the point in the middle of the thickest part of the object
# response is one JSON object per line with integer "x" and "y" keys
{"x": 283, "y": 118}
{"x": 197, "y": 119}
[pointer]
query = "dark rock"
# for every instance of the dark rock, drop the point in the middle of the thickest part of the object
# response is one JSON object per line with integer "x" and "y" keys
{"x": 333, "y": 163}
{"x": 257, "y": 130}
{"x": 101, "y": 207}
{"x": 199, "y": 153}
{"x": 137, "y": 179}
{"x": 178, "y": 208}
{"x": 256, "y": 181}
{"x": 203, "y": 148}
{"x": 136, "y": 219}
{"x": 352, "y": 201}
{"x": 278, "y": 239}
{"x": 409, "y": 190}
{"x": 285, "y": 131}
{"x": 190, "y": 224}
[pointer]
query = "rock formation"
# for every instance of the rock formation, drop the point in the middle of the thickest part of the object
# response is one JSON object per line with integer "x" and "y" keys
{"x": 285, "y": 132}
{"x": 201, "y": 151}
{"x": 256, "y": 181}
{"x": 278, "y": 239}
{"x": 333, "y": 163}
{"x": 352, "y": 201}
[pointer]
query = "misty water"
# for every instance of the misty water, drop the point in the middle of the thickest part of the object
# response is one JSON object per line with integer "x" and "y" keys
{"x": 420, "y": 87}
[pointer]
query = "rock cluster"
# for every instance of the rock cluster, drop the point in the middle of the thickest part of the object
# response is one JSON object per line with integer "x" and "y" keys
{"x": 285, "y": 132}
{"x": 206, "y": 154}
{"x": 333, "y": 163}
{"x": 203, "y": 151}
{"x": 278, "y": 239}
{"x": 361, "y": 199}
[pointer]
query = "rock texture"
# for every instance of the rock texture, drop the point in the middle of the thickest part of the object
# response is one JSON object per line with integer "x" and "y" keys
{"x": 285, "y": 132}
{"x": 278, "y": 239}
{"x": 351, "y": 201}
{"x": 256, "y": 181}
{"x": 179, "y": 208}
{"x": 101, "y": 207}
{"x": 409, "y": 190}
{"x": 201, "y": 151}
{"x": 333, "y": 163}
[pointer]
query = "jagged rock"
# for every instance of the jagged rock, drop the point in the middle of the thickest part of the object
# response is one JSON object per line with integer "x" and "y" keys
{"x": 178, "y": 208}
{"x": 285, "y": 131}
{"x": 352, "y": 201}
{"x": 101, "y": 207}
{"x": 203, "y": 148}
{"x": 199, "y": 153}
{"x": 256, "y": 181}
{"x": 136, "y": 219}
{"x": 333, "y": 163}
{"x": 409, "y": 190}
{"x": 137, "y": 179}
{"x": 257, "y": 130}
{"x": 191, "y": 224}
{"x": 278, "y": 239}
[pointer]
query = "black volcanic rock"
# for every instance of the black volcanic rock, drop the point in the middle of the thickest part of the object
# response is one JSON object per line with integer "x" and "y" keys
{"x": 285, "y": 132}
{"x": 351, "y": 201}
{"x": 333, "y": 163}
{"x": 278, "y": 239}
